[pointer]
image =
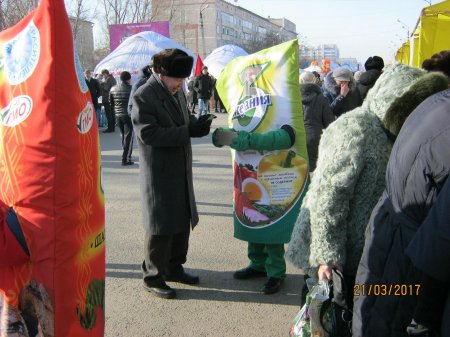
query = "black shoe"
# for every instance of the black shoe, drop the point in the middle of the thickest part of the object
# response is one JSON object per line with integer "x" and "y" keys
{"x": 161, "y": 290}
{"x": 246, "y": 273}
{"x": 107, "y": 131}
{"x": 127, "y": 163}
{"x": 272, "y": 285}
{"x": 184, "y": 278}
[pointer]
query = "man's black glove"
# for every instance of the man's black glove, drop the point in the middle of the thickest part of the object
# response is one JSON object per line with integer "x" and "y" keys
{"x": 200, "y": 128}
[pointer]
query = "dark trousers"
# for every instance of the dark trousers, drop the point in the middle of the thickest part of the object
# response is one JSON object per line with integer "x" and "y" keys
{"x": 110, "y": 116}
{"x": 126, "y": 132}
{"x": 164, "y": 255}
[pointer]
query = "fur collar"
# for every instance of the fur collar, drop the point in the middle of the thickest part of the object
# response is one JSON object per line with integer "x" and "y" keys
{"x": 402, "y": 106}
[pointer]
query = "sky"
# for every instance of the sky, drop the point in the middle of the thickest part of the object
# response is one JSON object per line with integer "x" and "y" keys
{"x": 360, "y": 28}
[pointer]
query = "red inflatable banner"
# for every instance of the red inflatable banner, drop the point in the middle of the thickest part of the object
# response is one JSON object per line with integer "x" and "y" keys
{"x": 52, "y": 249}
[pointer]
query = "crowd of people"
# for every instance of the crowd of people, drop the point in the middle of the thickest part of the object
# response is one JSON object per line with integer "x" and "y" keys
{"x": 377, "y": 143}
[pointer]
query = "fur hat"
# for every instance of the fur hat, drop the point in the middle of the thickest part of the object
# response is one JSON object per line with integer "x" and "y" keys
{"x": 342, "y": 74}
{"x": 438, "y": 62}
{"x": 374, "y": 62}
{"x": 173, "y": 63}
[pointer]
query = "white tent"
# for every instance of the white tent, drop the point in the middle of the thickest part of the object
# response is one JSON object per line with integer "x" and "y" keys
{"x": 221, "y": 56}
{"x": 136, "y": 52}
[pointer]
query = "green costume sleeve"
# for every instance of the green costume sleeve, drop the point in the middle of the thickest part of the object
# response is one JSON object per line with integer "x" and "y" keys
{"x": 280, "y": 139}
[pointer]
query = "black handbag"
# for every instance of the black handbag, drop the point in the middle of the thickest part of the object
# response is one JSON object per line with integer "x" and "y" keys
{"x": 335, "y": 315}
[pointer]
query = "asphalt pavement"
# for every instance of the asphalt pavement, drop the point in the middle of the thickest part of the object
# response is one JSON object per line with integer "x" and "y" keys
{"x": 219, "y": 306}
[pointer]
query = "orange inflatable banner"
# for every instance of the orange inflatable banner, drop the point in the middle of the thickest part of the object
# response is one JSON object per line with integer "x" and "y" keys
{"x": 52, "y": 249}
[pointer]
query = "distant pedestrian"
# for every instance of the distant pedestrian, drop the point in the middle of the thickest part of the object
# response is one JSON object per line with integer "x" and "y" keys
{"x": 204, "y": 87}
{"x": 108, "y": 82}
{"x": 348, "y": 97}
{"x": 119, "y": 97}
{"x": 374, "y": 66}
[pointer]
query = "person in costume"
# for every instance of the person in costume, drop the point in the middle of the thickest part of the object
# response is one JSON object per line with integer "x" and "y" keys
{"x": 268, "y": 178}
{"x": 164, "y": 129}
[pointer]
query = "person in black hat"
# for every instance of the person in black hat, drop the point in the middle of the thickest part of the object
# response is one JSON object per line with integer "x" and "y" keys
{"x": 164, "y": 129}
{"x": 374, "y": 66}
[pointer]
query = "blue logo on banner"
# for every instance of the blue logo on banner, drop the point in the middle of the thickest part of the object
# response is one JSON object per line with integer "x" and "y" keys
{"x": 22, "y": 54}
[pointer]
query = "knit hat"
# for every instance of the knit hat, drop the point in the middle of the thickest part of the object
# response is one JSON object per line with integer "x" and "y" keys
{"x": 307, "y": 77}
{"x": 173, "y": 63}
{"x": 342, "y": 74}
{"x": 374, "y": 62}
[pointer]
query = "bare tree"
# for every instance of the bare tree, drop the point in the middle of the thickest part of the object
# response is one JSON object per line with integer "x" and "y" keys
{"x": 78, "y": 11}
{"x": 260, "y": 42}
{"x": 12, "y": 11}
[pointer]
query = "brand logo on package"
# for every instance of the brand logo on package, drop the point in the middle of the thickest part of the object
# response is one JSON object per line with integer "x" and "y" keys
{"x": 17, "y": 111}
{"x": 22, "y": 54}
{"x": 86, "y": 118}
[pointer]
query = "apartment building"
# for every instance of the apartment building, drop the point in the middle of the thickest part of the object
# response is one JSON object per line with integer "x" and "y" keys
{"x": 205, "y": 25}
{"x": 83, "y": 34}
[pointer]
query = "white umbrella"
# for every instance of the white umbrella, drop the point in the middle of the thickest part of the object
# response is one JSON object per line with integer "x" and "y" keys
{"x": 136, "y": 52}
{"x": 313, "y": 68}
{"x": 221, "y": 56}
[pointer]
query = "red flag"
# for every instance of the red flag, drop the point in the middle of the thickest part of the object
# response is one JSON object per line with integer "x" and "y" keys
{"x": 198, "y": 66}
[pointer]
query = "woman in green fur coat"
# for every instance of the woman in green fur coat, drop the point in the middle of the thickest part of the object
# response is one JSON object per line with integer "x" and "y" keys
{"x": 350, "y": 175}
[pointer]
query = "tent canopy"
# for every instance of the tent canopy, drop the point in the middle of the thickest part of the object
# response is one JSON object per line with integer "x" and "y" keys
{"x": 136, "y": 52}
{"x": 221, "y": 56}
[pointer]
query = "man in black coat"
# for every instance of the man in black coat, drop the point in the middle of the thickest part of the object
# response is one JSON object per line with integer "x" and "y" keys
{"x": 94, "y": 88}
{"x": 119, "y": 97}
{"x": 203, "y": 85}
{"x": 163, "y": 127}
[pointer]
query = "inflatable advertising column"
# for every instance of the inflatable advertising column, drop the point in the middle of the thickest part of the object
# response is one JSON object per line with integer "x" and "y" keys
{"x": 52, "y": 239}
{"x": 261, "y": 93}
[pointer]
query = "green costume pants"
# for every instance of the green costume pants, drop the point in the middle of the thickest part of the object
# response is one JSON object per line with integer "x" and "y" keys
{"x": 268, "y": 258}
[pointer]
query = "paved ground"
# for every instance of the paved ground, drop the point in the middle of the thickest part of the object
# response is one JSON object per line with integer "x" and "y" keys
{"x": 219, "y": 306}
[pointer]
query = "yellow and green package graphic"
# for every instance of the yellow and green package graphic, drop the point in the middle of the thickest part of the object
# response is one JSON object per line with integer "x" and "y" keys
{"x": 261, "y": 93}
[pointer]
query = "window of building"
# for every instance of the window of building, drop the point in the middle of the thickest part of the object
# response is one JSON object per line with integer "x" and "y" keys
{"x": 229, "y": 31}
{"x": 227, "y": 19}
{"x": 247, "y": 24}
{"x": 262, "y": 30}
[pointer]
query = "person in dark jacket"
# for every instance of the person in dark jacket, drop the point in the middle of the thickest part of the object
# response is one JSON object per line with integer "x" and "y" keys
{"x": 329, "y": 88}
{"x": 418, "y": 167}
{"x": 108, "y": 82}
{"x": 217, "y": 100}
{"x": 191, "y": 95}
{"x": 146, "y": 73}
{"x": 119, "y": 97}
{"x": 374, "y": 66}
{"x": 429, "y": 251}
{"x": 317, "y": 115}
{"x": 203, "y": 86}
{"x": 348, "y": 97}
{"x": 164, "y": 129}
{"x": 94, "y": 88}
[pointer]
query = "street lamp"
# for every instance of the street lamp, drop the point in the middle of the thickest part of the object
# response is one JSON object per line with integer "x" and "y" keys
{"x": 404, "y": 26}
{"x": 202, "y": 27}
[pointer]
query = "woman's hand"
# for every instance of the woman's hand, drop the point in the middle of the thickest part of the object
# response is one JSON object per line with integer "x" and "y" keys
{"x": 325, "y": 271}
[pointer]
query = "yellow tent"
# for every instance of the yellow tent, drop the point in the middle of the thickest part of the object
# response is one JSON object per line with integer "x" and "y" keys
{"x": 403, "y": 53}
{"x": 432, "y": 32}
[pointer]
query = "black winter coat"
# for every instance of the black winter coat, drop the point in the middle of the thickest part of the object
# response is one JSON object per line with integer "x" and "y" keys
{"x": 367, "y": 81}
{"x": 119, "y": 97}
{"x": 317, "y": 116}
{"x": 94, "y": 89}
{"x": 418, "y": 167}
{"x": 167, "y": 191}
{"x": 203, "y": 85}
{"x": 429, "y": 250}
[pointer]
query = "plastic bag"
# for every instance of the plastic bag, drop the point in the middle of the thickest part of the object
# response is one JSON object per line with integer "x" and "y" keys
{"x": 325, "y": 313}
{"x": 307, "y": 323}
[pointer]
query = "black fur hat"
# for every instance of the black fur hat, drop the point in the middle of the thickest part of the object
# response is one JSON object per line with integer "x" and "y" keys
{"x": 438, "y": 62}
{"x": 173, "y": 63}
{"x": 374, "y": 62}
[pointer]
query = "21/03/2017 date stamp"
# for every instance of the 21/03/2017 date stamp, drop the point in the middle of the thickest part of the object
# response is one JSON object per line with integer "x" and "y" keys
{"x": 386, "y": 290}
